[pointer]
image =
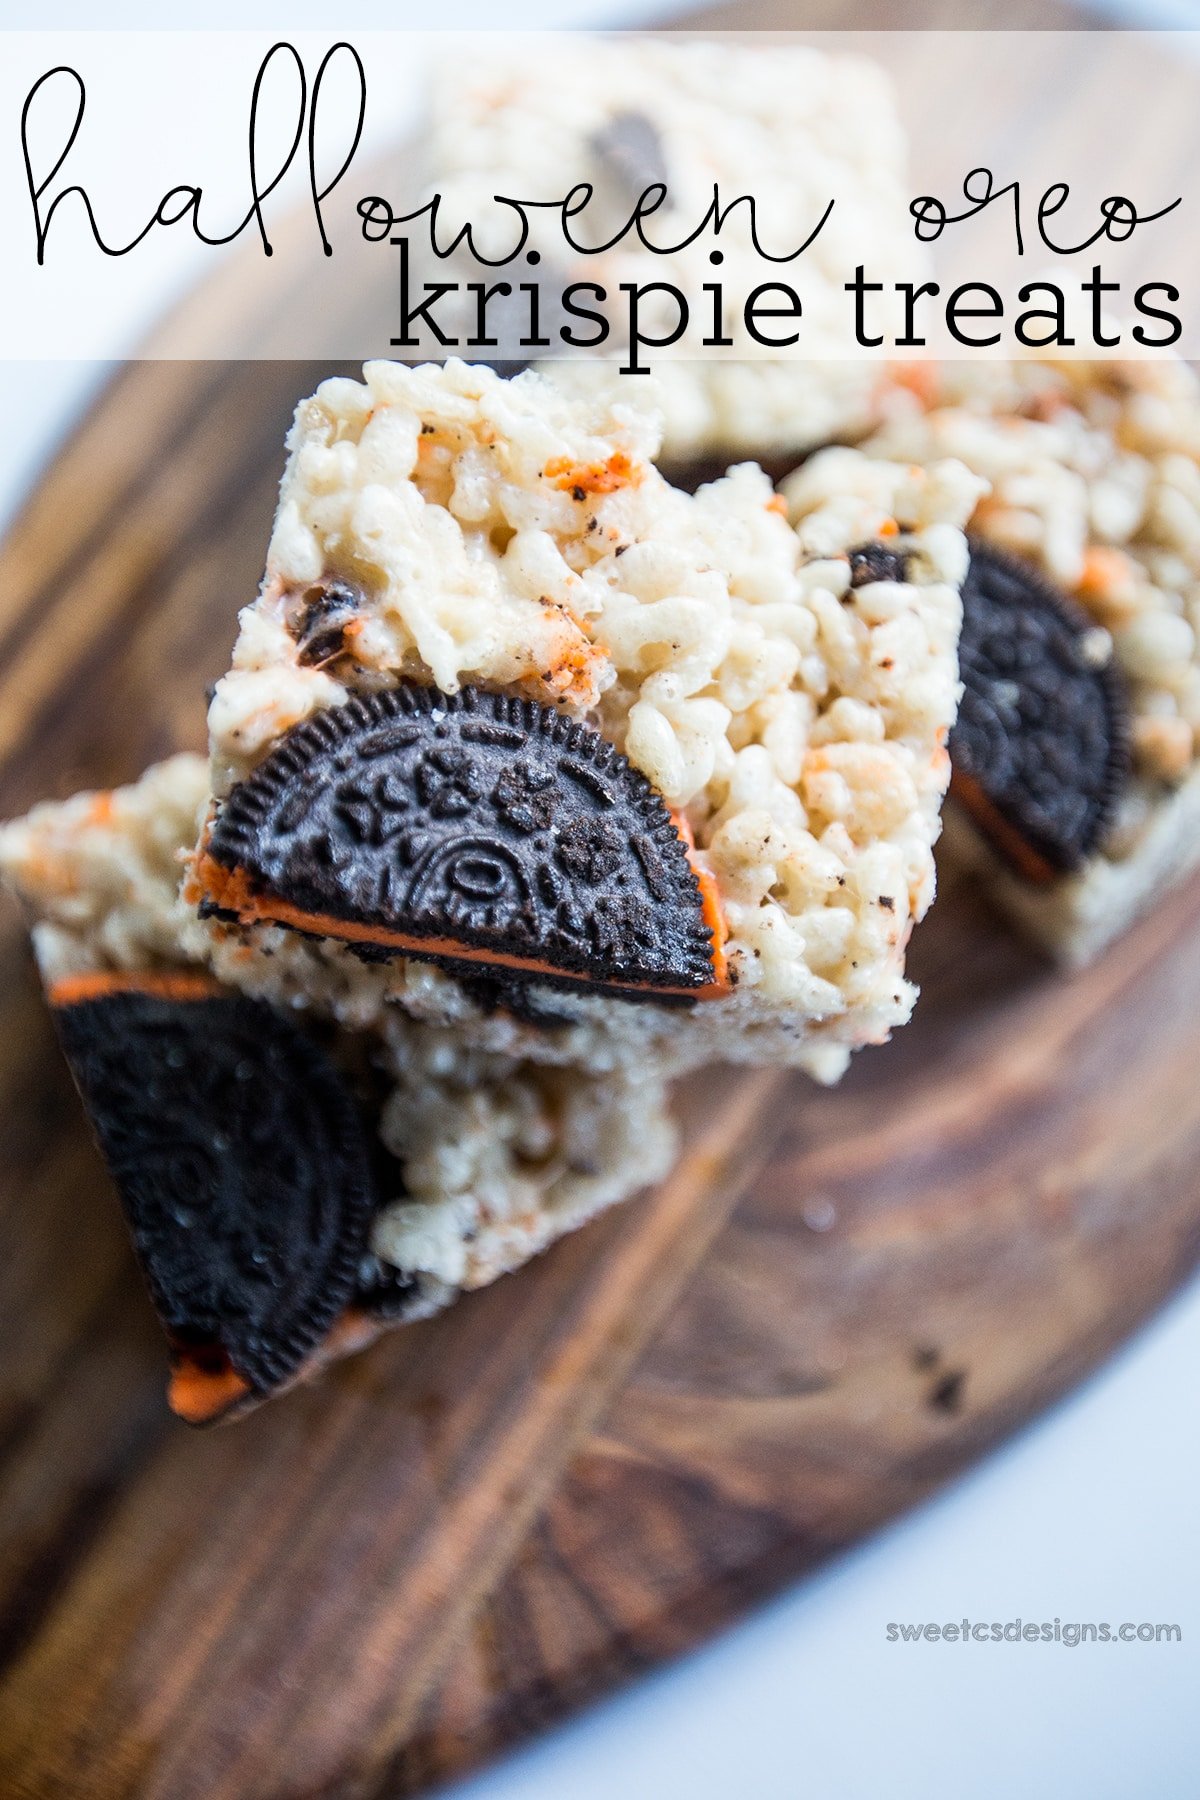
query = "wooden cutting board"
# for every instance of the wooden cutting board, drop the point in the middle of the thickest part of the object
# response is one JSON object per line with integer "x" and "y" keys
{"x": 837, "y": 1302}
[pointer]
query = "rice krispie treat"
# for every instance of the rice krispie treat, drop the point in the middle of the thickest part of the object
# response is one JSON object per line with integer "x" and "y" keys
{"x": 291, "y": 1189}
{"x": 789, "y": 126}
{"x": 1076, "y": 755}
{"x": 532, "y": 744}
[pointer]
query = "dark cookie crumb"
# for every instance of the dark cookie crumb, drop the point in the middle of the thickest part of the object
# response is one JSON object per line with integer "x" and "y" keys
{"x": 319, "y": 628}
{"x": 946, "y": 1394}
{"x": 384, "y": 1291}
{"x": 877, "y": 562}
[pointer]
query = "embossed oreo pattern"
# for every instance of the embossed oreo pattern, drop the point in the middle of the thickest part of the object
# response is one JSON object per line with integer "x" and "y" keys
{"x": 495, "y": 822}
{"x": 1041, "y": 730}
{"x": 242, "y": 1166}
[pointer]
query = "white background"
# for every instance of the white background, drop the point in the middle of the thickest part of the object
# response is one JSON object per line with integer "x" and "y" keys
{"x": 1091, "y": 1515}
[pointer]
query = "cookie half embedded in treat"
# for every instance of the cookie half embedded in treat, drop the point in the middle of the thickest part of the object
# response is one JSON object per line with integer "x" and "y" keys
{"x": 243, "y": 1168}
{"x": 1040, "y": 749}
{"x": 475, "y": 831}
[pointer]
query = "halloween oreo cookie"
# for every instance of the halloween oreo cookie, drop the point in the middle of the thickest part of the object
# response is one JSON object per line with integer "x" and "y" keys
{"x": 1040, "y": 749}
{"x": 489, "y": 834}
{"x": 243, "y": 1168}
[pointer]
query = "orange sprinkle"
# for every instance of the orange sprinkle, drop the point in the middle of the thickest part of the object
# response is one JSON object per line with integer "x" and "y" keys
{"x": 572, "y": 676}
{"x": 920, "y": 378}
{"x": 582, "y": 479}
{"x": 1046, "y": 406}
{"x": 889, "y": 528}
{"x": 989, "y": 507}
{"x": 777, "y": 504}
{"x": 1104, "y": 568}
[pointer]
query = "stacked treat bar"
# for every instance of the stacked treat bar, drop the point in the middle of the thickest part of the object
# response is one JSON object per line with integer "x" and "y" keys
{"x": 537, "y": 779}
{"x": 1084, "y": 801}
{"x": 583, "y": 673}
{"x": 1075, "y": 786}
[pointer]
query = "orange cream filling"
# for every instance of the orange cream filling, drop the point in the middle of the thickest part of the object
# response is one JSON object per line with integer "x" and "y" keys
{"x": 1027, "y": 861}
{"x": 710, "y": 910}
{"x": 202, "y": 1396}
{"x": 199, "y": 1395}
{"x": 166, "y": 984}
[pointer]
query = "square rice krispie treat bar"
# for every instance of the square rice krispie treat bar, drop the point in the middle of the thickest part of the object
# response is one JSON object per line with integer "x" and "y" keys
{"x": 292, "y": 1188}
{"x": 530, "y": 743}
{"x": 1076, "y": 753}
{"x": 790, "y": 126}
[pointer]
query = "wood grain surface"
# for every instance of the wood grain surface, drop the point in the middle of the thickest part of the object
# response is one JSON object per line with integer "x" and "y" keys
{"x": 837, "y": 1302}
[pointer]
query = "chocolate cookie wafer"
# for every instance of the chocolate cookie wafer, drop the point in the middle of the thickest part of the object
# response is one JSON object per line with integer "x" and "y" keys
{"x": 1039, "y": 751}
{"x": 241, "y": 1160}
